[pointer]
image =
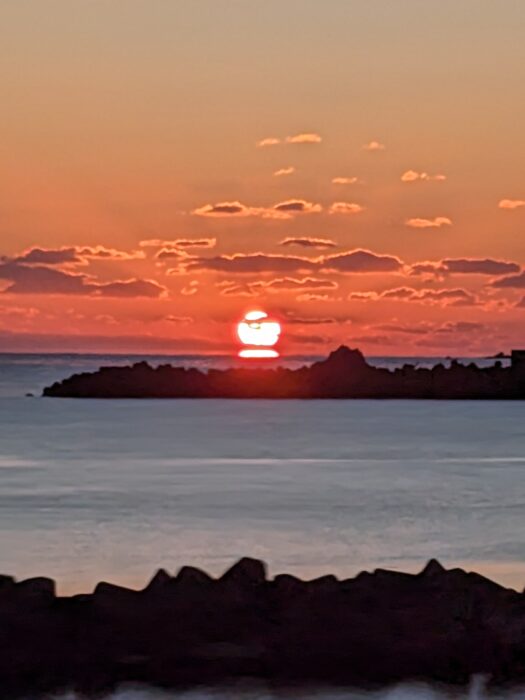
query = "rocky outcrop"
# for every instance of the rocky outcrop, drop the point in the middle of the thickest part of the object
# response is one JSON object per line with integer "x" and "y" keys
{"x": 344, "y": 374}
{"x": 190, "y": 629}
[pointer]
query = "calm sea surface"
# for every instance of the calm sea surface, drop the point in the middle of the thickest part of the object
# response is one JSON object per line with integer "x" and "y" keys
{"x": 94, "y": 490}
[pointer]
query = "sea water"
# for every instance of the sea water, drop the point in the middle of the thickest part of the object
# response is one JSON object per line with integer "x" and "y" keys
{"x": 93, "y": 489}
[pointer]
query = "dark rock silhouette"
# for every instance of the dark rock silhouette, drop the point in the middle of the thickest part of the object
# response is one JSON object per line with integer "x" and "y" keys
{"x": 343, "y": 374}
{"x": 439, "y": 625}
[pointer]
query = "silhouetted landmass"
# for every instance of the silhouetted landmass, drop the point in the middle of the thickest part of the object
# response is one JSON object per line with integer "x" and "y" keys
{"x": 377, "y": 628}
{"x": 344, "y": 374}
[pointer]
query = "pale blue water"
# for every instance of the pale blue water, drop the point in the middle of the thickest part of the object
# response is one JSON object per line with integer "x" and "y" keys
{"x": 116, "y": 489}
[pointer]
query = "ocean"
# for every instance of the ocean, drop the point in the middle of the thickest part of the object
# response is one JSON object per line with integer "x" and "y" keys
{"x": 113, "y": 490}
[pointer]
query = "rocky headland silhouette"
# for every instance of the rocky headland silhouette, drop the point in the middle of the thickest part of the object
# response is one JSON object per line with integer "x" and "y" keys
{"x": 191, "y": 629}
{"x": 344, "y": 374}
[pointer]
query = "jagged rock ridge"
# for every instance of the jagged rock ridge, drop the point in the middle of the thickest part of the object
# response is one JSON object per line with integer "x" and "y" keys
{"x": 343, "y": 374}
{"x": 191, "y": 629}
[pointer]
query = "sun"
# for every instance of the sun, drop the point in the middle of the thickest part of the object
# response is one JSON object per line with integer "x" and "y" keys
{"x": 258, "y": 333}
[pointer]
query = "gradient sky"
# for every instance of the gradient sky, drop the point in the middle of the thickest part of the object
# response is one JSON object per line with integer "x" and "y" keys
{"x": 166, "y": 165}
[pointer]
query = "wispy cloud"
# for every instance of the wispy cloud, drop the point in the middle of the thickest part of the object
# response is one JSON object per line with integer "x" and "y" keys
{"x": 345, "y": 180}
{"x": 281, "y": 210}
{"x": 172, "y": 254}
{"x": 253, "y": 263}
{"x": 74, "y": 255}
{"x": 414, "y": 176}
{"x": 374, "y": 146}
{"x": 28, "y": 279}
{"x": 345, "y": 208}
{"x": 269, "y": 141}
{"x": 441, "y": 297}
{"x": 436, "y": 222}
{"x": 284, "y": 171}
{"x": 179, "y": 243}
{"x": 238, "y": 290}
{"x": 304, "y": 138}
{"x": 479, "y": 266}
{"x": 226, "y": 209}
{"x": 361, "y": 261}
{"x": 511, "y": 203}
{"x": 301, "y": 138}
{"x": 190, "y": 289}
{"x": 352, "y": 261}
{"x": 512, "y": 282}
{"x": 306, "y": 242}
{"x": 290, "y": 284}
{"x": 307, "y": 297}
{"x": 463, "y": 266}
{"x": 297, "y": 206}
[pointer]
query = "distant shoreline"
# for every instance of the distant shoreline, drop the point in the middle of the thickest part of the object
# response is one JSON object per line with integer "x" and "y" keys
{"x": 344, "y": 374}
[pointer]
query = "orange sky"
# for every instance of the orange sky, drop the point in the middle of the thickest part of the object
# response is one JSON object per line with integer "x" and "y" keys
{"x": 353, "y": 167}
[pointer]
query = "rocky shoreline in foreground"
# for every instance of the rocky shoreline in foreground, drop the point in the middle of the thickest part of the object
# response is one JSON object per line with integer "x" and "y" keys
{"x": 344, "y": 374}
{"x": 192, "y": 630}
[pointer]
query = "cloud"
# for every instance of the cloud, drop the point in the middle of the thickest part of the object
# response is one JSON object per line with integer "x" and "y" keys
{"x": 409, "y": 330}
{"x": 253, "y": 263}
{"x": 41, "y": 280}
{"x": 345, "y": 208}
{"x": 102, "y": 253}
{"x": 443, "y": 297}
{"x": 479, "y": 266}
{"x": 129, "y": 288}
{"x": 304, "y": 138}
{"x": 172, "y": 254}
{"x": 413, "y": 176}
{"x": 512, "y": 282}
{"x": 464, "y": 266}
{"x": 372, "y": 339}
{"x": 284, "y": 171}
{"x": 312, "y": 321}
{"x": 281, "y": 210}
{"x": 454, "y": 297}
{"x": 345, "y": 180}
{"x": 460, "y": 327}
{"x": 355, "y": 261}
{"x": 521, "y": 304}
{"x": 436, "y": 222}
{"x": 362, "y": 296}
{"x": 224, "y": 209}
{"x": 297, "y": 206}
{"x": 73, "y": 255}
{"x": 361, "y": 261}
{"x": 238, "y": 290}
{"x": 292, "y": 284}
{"x": 49, "y": 256}
{"x": 269, "y": 141}
{"x": 307, "y": 242}
{"x": 428, "y": 268}
{"x": 307, "y": 339}
{"x": 190, "y": 289}
{"x": 24, "y": 279}
{"x": 511, "y": 203}
{"x": 179, "y": 243}
{"x": 313, "y": 297}
{"x": 399, "y": 294}
{"x": 374, "y": 146}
